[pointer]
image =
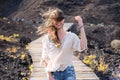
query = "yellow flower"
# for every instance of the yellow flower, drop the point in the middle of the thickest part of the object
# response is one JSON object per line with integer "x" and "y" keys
{"x": 26, "y": 47}
{"x": 89, "y": 59}
{"x": 16, "y": 35}
{"x": 102, "y": 66}
{"x": 13, "y": 49}
{"x": 22, "y": 55}
{"x": 24, "y": 78}
{"x": 1, "y": 37}
{"x": 31, "y": 67}
{"x": 8, "y": 39}
{"x": 92, "y": 56}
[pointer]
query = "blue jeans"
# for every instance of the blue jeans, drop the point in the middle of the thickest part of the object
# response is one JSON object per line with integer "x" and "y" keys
{"x": 67, "y": 74}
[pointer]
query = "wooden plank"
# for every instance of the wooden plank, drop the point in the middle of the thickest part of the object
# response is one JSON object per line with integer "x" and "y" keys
{"x": 75, "y": 64}
{"x": 36, "y": 58}
{"x": 78, "y": 62}
{"x": 41, "y": 78}
{"x": 37, "y": 64}
{"x": 40, "y": 74}
{"x": 38, "y": 69}
{"x": 87, "y": 79}
{"x": 79, "y": 76}
{"x": 84, "y": 76}
{"x": 77, "y": 71}
{"x": 83, "y": 70}
{"x": 38, "y": 78}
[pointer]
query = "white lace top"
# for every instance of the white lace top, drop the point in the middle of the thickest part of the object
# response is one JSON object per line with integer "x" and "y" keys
{"x": 59, "y": 58}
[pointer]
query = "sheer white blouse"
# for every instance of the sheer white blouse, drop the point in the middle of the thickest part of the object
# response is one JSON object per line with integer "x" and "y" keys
{"x": 59, "y": 58}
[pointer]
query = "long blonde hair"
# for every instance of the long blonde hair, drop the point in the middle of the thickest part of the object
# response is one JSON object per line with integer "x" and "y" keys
{"x": 51, "y": 17}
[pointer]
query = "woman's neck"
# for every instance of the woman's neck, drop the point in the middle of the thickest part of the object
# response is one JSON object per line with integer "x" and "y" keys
{"x": 61, "y": 33}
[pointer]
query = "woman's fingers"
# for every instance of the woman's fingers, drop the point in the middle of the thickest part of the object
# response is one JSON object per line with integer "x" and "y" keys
{"x": 79, "y": 20}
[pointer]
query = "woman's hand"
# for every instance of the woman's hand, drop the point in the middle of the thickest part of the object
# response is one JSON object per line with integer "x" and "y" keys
{"x": 83, "y": 39}
{"x": 51, "y": 78}
{"x": 79, "y": 20}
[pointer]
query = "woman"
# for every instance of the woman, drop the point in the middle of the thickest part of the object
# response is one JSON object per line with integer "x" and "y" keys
{"x": 58, "y": 45}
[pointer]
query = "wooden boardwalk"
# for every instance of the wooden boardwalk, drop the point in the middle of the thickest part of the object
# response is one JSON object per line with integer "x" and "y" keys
{"x": 82, "y": 71}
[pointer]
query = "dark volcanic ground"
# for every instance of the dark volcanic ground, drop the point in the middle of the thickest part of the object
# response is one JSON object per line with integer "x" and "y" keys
{"x": 20, "y": 19}
{"x": 93, "y": 11}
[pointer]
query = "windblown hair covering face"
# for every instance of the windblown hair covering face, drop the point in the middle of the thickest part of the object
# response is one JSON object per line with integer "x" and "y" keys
{"x": 51, "y": 17}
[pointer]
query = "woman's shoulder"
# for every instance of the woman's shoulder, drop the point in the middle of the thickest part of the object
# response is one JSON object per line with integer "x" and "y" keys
{"x": 71, "y": 34}
{"x": 44, "y": 37}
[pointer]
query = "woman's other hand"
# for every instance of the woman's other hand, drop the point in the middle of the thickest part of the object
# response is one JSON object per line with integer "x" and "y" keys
{"x": 79, "y": 20}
